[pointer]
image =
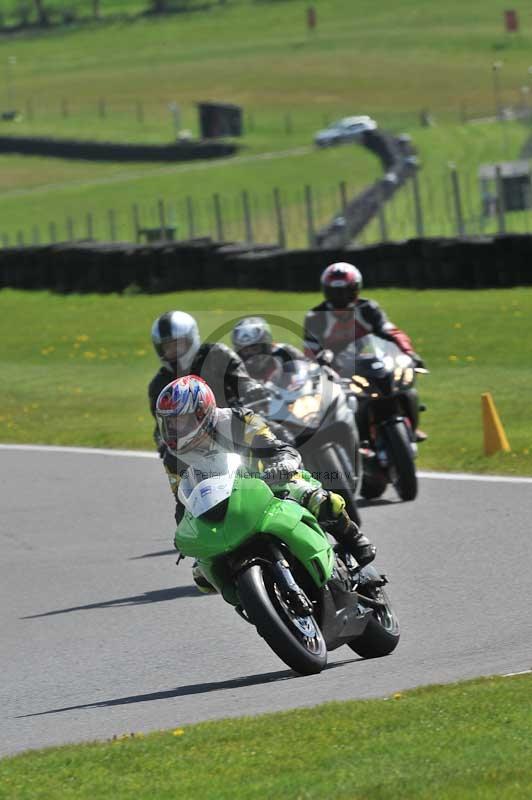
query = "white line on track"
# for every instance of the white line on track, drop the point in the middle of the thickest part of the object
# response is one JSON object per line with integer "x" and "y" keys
{"x": 96, "y": 451}
{"x": 512, "y": 674}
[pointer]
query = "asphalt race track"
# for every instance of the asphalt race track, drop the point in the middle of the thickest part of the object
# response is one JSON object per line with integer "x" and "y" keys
{"x": 102, "y": 634}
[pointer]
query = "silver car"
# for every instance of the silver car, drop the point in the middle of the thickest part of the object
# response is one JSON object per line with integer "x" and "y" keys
{"x": 348, "y": 129}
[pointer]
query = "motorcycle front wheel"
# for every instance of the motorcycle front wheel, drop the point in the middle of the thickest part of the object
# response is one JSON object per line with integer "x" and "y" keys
{"x": 402, "y": 464}
{"x": 298, "y": 641}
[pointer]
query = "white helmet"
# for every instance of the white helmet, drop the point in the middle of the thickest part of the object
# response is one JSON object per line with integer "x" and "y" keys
{"x": 176, "y": 340}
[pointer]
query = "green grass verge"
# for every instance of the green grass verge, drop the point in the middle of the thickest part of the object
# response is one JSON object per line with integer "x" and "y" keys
{"x": 468, "y": 741}
{"x": 367, "y": 58}
{"x": 75, "y": 368}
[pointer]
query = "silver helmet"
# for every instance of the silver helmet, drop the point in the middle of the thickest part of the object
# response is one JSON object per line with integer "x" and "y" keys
{"x": 252, "y": 340}
{"x": 176, "y": 340}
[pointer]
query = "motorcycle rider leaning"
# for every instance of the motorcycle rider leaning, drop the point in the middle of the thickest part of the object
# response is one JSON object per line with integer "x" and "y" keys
{"x": 193, "y": 429}
{"x": 176, "y": 339}
{"x": 264, "y": 359}
{"x": 344, "y": 317}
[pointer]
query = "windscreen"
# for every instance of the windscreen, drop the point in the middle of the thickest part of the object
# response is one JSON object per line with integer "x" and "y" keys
{"x": 208, "y": 481}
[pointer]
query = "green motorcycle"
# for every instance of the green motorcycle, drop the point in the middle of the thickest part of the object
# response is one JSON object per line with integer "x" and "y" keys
{"x": 271, "y": 560}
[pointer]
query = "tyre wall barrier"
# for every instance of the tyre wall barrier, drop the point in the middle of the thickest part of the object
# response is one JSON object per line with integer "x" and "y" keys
{"x": 203, "y": 264}
{"x": 398, "y": 160}
{"x": 114, "y": 151}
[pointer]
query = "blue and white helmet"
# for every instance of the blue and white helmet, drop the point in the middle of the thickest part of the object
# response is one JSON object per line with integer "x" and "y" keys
{"x": 176, "y": 340}
{"x": 186, "y": 414}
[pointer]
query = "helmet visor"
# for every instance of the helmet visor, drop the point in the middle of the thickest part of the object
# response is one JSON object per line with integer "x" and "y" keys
{"x": 176, "y": 348}
{"x": 340, "y": 296}
{"x": 251, "y": 350}
{"x": 176, "y": 427}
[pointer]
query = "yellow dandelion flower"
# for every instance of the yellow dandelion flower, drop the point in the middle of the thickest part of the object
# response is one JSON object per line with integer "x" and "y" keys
{"x": 78, "y": 390}
{"x": 82, "y": 338}
{"x": 398, "y": 696}
{"x": 457, "y": 325}
{"x": 76, "y": 345}
{"x": 526, "y": 451}
{"x": 453, "y": 358}
{"x": 178, "y": 732}
{"x": 140, "y": 352}
{"x": 470, "y": 358}
{"x": 89, "y": 354}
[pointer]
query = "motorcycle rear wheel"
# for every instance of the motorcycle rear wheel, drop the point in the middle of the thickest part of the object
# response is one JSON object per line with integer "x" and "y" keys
{"x": 381, "y": 635}
{"x": 298, "y": 641}
{"x": 402, "y": 465}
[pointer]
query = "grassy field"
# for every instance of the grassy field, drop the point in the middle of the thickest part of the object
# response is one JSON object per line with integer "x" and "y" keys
{"x": 75, "y": 369}
{"x": 470, "y": 741}
{"x": 290, "y": 82}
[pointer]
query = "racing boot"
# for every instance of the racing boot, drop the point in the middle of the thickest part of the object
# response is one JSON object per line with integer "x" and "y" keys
{"x": 348, "y": 534}
{"x": 345, "y": 530}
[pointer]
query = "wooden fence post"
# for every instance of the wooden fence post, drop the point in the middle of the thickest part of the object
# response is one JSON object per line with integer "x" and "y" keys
{"x": 111, "y": 214}
{"x": 248, "y": 226}
{"x": 311, "y": 235}
{"x": 90, "y": 226}
{"x": 343, "y": 198}
{"x": 218, "y": 217}
{"x": 418, "y": 211}
{"x": 383, "y": 226}
{"x": 500, "y": 200}
{"x": 136, "y": 222}
{"x": 162, "y": 219}
{"x": 190, "y": 217}
{"x": 457, "y": 200}
{"x": 281, "y": 232}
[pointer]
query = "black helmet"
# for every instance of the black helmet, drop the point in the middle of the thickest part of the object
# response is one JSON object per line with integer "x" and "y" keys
{"x": 176, "y": 340}
{"x": 341, "y": 283}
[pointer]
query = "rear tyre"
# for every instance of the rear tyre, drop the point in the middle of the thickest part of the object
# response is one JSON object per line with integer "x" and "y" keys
{"x": 298, "y": 641}
{"x": 381, "y": 635}
{"x": 373, "y": 486}
{"x": 402, "y": 465}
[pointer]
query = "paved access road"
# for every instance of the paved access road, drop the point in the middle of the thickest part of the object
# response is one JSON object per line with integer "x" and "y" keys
{"x": 101, "y": 634}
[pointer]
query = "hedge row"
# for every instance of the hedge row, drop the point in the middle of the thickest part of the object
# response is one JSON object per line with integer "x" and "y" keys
{"x": 202, "y": 263}
{"x": 114, "y": 151}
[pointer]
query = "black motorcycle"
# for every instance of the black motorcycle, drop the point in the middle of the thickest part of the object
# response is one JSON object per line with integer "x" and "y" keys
{"x": 382, "y": 378}
{"x": 308, "y": 408}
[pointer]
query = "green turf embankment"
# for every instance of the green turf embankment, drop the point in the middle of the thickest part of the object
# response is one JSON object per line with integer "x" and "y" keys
{"x": 468, "y": 741}
{"x": 75, "y": 368}
{"x": 363, "y": 59}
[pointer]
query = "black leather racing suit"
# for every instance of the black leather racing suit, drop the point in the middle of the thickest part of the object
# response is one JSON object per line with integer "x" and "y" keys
{"x": 327, "y": 328}
{"x": 221, "y": 368}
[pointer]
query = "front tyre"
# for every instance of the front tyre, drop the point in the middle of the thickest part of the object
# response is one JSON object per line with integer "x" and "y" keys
{"x": 297, "y": 641}
{"x": 402, "y": 465}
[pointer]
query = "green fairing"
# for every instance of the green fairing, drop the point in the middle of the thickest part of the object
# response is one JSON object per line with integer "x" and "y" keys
{"x": 253, "y": 509}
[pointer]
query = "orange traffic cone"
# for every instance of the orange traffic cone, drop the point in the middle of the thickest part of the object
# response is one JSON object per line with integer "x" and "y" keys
{"x": 494, "y": 435}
